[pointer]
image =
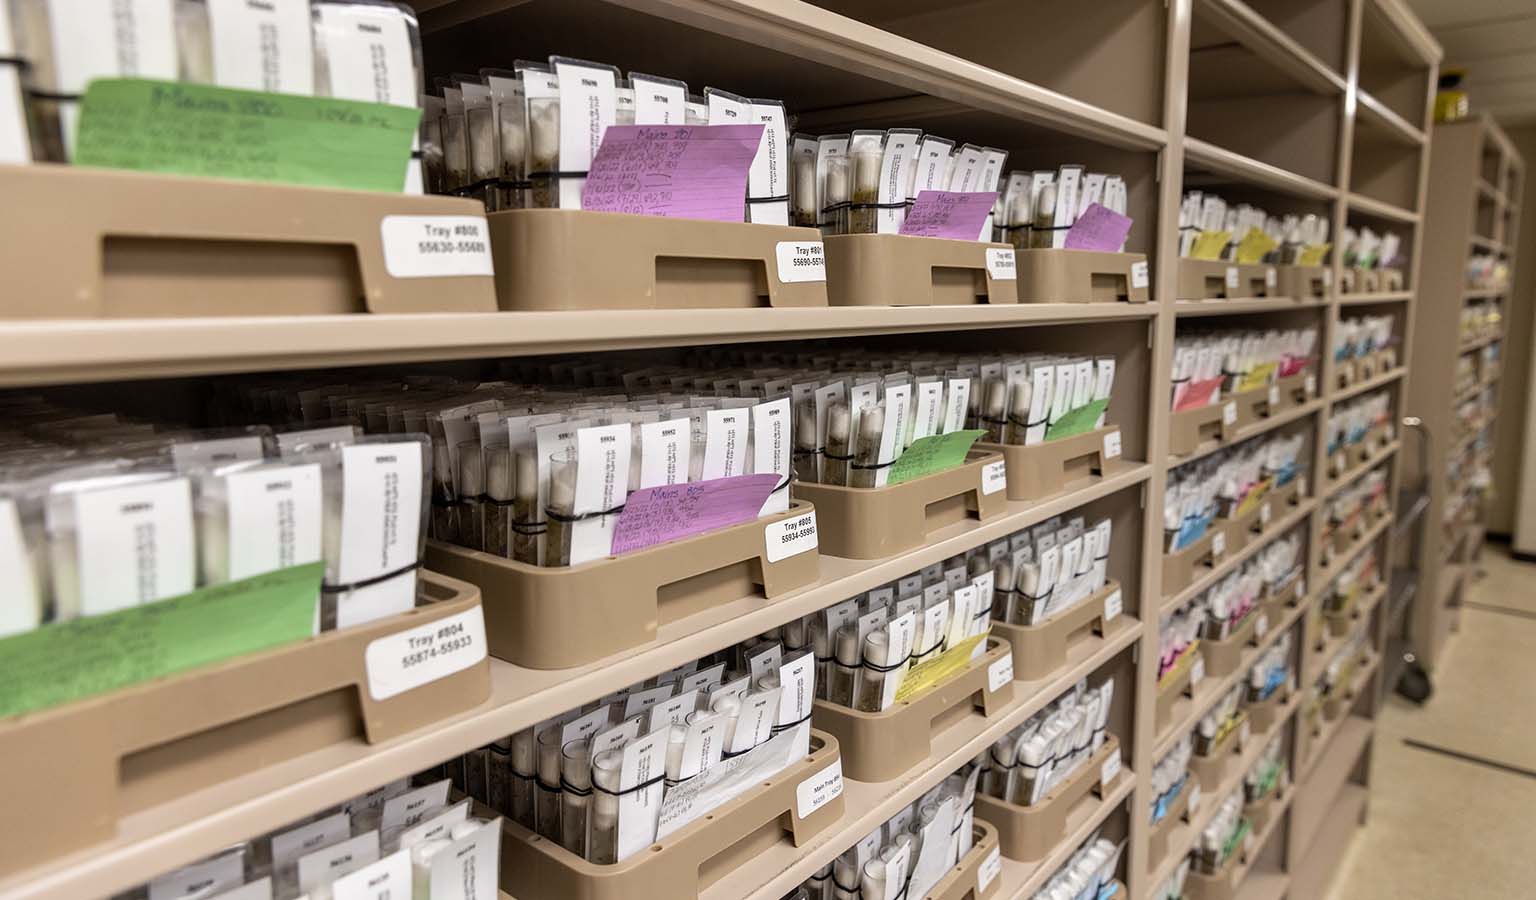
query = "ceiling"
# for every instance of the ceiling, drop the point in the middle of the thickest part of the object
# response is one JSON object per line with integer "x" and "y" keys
{"x": 1495, "y": 42}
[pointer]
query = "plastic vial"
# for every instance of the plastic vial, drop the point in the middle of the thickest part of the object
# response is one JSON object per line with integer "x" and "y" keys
{"x": 575, "y": 796}
{"x": 603, "y": 830}
{"x": 547, "y": 811}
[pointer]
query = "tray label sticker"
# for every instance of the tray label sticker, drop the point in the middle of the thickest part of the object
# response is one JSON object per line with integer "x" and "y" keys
{"x": 801, "y": 261}
{"x": 435, "y": 246}
{"x": 408, "y": 659}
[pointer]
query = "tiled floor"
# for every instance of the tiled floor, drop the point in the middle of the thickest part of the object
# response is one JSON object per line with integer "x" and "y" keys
{"x": 1441, "y": 827}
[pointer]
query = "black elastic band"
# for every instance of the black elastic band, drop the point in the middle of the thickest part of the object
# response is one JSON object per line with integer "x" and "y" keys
{"x": 369, "y": 582}
{"x": 492, "y": 501}
{"x": 869, "y": 466}
{"x": 546, "y": 176}
{"x": 54, "y": 97}
{"x": 468, "y": 189}
{"x": 784, "y": 198}
{"x": 415, "y": 154}
{"x": 639, "y": 787}
{"x": 557, "y": 789}
{"x": 562, "y": 517}
{"x": 522, "y": 777}
{"x": 788, "y": 725}
{"x": 817, "y": 452}
{"x": 567, "y": 788}
{"x": 899, "y": 204}
{"x": 530, "y": 529}
{"x": 520, "y": 184}
{"x": 873, "y": 667}
{"x": 830, "y": 455}
{"x": 16, "y": 61}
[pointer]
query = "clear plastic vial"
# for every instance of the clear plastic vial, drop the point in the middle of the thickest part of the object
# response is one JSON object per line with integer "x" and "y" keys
{"x": 547, "y": 810}
{"x": 575, "y": 795}
{"x": 603, "y": 828}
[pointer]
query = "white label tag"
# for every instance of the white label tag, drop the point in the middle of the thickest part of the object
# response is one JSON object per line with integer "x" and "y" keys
{"x": 274, "y": 519}
{"x": 1264, "y": 515}
{"x": 368, "y": 52}
{"x": 1194, "y": 794}
{"x": 1140, "y": 274}
{"x": 1229, "y": 413}
{"x": 294, "y": 843}
{"x": 991, "y": 867}
{"x": 1244, "y": 731}
{"x": 409, "y": 659}
{"x": 435, "y": 246}
{"x": 994, "y": 477}
{"x": 15, "y": 147}
{"x": 1301, "y": 590}
{"x": 200, "y": 879}
{"x": 1274, "y": 398}
{"x": 134, "y": 544}
{"x": 1232, "y": 280}
{"x": 790, "y": 537}
{"x": 1271, "y": 278}
{"x": 260, "y": 889}
{"x": 325, "y": 866}
{"x": 412, "y": 806}
{"x": 1261, "y": 626}
{"x": 801, "y": 261}
{"x": 387, "y": 879}
{"x": 1000, "y": 673}
{"x": 819, "y": 790}
{"x": 1218, "y": 543}
{"x": 262, "y": 46}
{"x": 1197, "y": 671}
{"x": 467, "y": 870}
{"x": 1112, "y": 445}
{"x": 1113, "y": 606}
{"x": 1001, "y": 264}
{"x": 218, "y": 452}
{"x": 1109, "y": 769}
{"x": 380, "y": 526}
{"x": 1327, "y": 278}
{"x": 132, "y": 38}
{"x": 1309, "y": 384}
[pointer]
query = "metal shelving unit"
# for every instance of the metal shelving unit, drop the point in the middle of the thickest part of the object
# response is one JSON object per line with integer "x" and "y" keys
{"x": 1135, "y": 99}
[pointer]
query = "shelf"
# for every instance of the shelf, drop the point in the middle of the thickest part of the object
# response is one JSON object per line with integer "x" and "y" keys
{"x": 1232, "y": 560}
{"x": 1381, "y": 297}
{"x": 1183, "y": 836}
{"x": 1488, "y": 245}
{"x": 1375, "y": 117}
{"x": 1329, "y": 770}
{"x": 1258, "y": 428}
{"x": 1315, "y": 872}
{"x": 82, "y": 350}
{"x": 779, "y": 869}
{"x": 1375, "y": 459}
{"x": 163, "y": 837}
{"x": 1366, "y": 385}
{"x": 1261, "y": 38}
{"x": 1201, "y": 154}
{"x": 1363, "y": 204}
{"x": 1484, "y": 293}
{"x": 1213, "y": 687}
{"x": 1079, "y": 829}
{"x": 788, "y": 44}
{"x": 1479, "y": 343}
{"x": 1263, "y": 886}
{"x": 1354, "y": 548}
{"x": 1192, "y": 308}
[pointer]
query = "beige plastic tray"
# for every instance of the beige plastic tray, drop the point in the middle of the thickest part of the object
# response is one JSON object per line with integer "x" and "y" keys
{"x": 1157, "y": 841}
{"x": 964, "y": 881}
{"x": 1264, "y": 714}
{"x": 151, "y": 743}
{"x": 1177, "y": 683}
{"x": 884, "y": 745}
{"x": 1222, "y": 658}
{"x": 903, "y": 270}
{"x": 1027, "y": 833}
{"x": 1304, "y": 282}
{"x": 1263, "y": 810}
{"x": 1041, "y": 650}
{"x": 1219, "y": 279}
{"x": 687, "y": 861}
{"x": 1038, "y": 471}
{"x": 574, "y": 259}
{"x": 114, "y": 244}
{"x": 555, "y": 618}
{"x": 1213, "y": 768}
{"x": 1253, "y": 524}
{"x": 1082, "y": 276}
{"x": 1221, "y": 886}
{"x": 1182, "y": 568}
{"x": 1189, "y": 428}
{"x": 872, "y": 523}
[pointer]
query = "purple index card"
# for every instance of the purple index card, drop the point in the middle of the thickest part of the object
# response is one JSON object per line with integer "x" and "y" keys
{"x": 948, "y": 214}
{"x": 679, "y": 171}
{"x": 660, "y": 514}
{"x": 1099, "y": 228}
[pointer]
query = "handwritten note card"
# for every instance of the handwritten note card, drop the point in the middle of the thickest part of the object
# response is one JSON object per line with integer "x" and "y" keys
{"x": 197, "y": 129}
{"x": 933, "y": 454}
{"x": 948, "y": 214}
{"x": 1254, "y": 246}
{"x": 1195, "y": 394}
{"x": 670, "y": 512}
{"x": 678, "y": 171}
{"x": 1099, "y": 228}
{"x": 1210, "y": 244}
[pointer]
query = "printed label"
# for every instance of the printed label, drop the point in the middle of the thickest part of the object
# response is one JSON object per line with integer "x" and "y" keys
{"x": 1109, "y": 769}
{"x": 1197, "y": 671}
{"x": 409, "y": 659}
{"x": 1229, "y": 413}
{"x": 1310, "y": 385}
{"x": 274, "y": 519}
{"x": 134, "y": 544}
{"x": 381, "y": 521}
{"x": 1232, "y": 280}
{"x": 260, "y": 889}
{"x": 1140, "y": 274}
{"x": 1271, "y": 278}
{"x": 1112, "y": 445}
{"x": 199, "y": 879}
{"x": 1218, "y": 543}
{"x": 1261, "y": 626}
{"x": 262, "y": 46}
{"x": 412, "y": 806}
{"x": 1001, "y": 264}
{"x": 387, "y": 879}
{"x": 368, "y": 52}
{"x": 435, "y": 246}
{"x": 1113, "y": 606}
{"x": 790, "y": 537}
{"x": 1264, "y": 515}
{"x": 325, "y": 866}
{"x": 801, "y": 261}
{"x": 991, "y": 867}
{"x": 220, "y": 452}
{"x": 819, "y": 790}
{"x": 467, "y": 869}
{"x": 1274, "y": 398}
{"x": 294, "y": 843}
{"x": 994, "y": 477}
{"x": 1194, "y": 797}
{"x": 22, "y": 610}
{"x": 1000, "y": 673}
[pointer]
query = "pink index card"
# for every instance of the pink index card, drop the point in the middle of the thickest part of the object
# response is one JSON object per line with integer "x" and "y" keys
{"x": 670, "y": 512}
{"x": 1195, "y": 394}
{"x": 678, "y": 171}
{"x": 948, "y": 214}
{"x": 1099, "y": 228}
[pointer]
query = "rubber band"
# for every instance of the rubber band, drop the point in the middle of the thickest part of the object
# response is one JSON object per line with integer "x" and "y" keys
{"x": 639, "y": 787}
{"x": 567, "y": 788}
{"x": 545, "y": 176}
{"x": 582, "y": 517}
{"x": 783, "y": 198}
{"x": 369, "y": 582}
{"x": 530, "y": 529}
{"x": 868, "y": 466}
{"x": 788, "y": 725}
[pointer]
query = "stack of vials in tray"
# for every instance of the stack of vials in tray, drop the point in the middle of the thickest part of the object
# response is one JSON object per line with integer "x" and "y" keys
{"x": 1209, "y": 365}
{"x": 1220, "y": 483}
{"x": 1285, "y": 239}
{"x": 1089, "y": 873}
{"x": 1170, "y": 777}
{"x": 1028, "y": 762}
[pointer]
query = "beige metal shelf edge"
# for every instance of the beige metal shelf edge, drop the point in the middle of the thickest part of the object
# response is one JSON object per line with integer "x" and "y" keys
{"x": 1366, "y": 385}
{"x": 1191, "y": 308}
{"x": 779, "y": 870}
{"x": 1229, "y": 563}
{"x": 1371, "y": 207}
{"x": 75, "y": 350}
{"x": 1274, "y": 46}
{"x": 1202, "y": 153}
{"x": 805, "y": 31}
{"x": 1040, "y": 872}
{"x": 1381, "y": 297}
{"x": 1409, "y": 31}
{"x": 1378, "y": 115}
{"x": 165, "y": 837}
{"x": 1263, "y": 426}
